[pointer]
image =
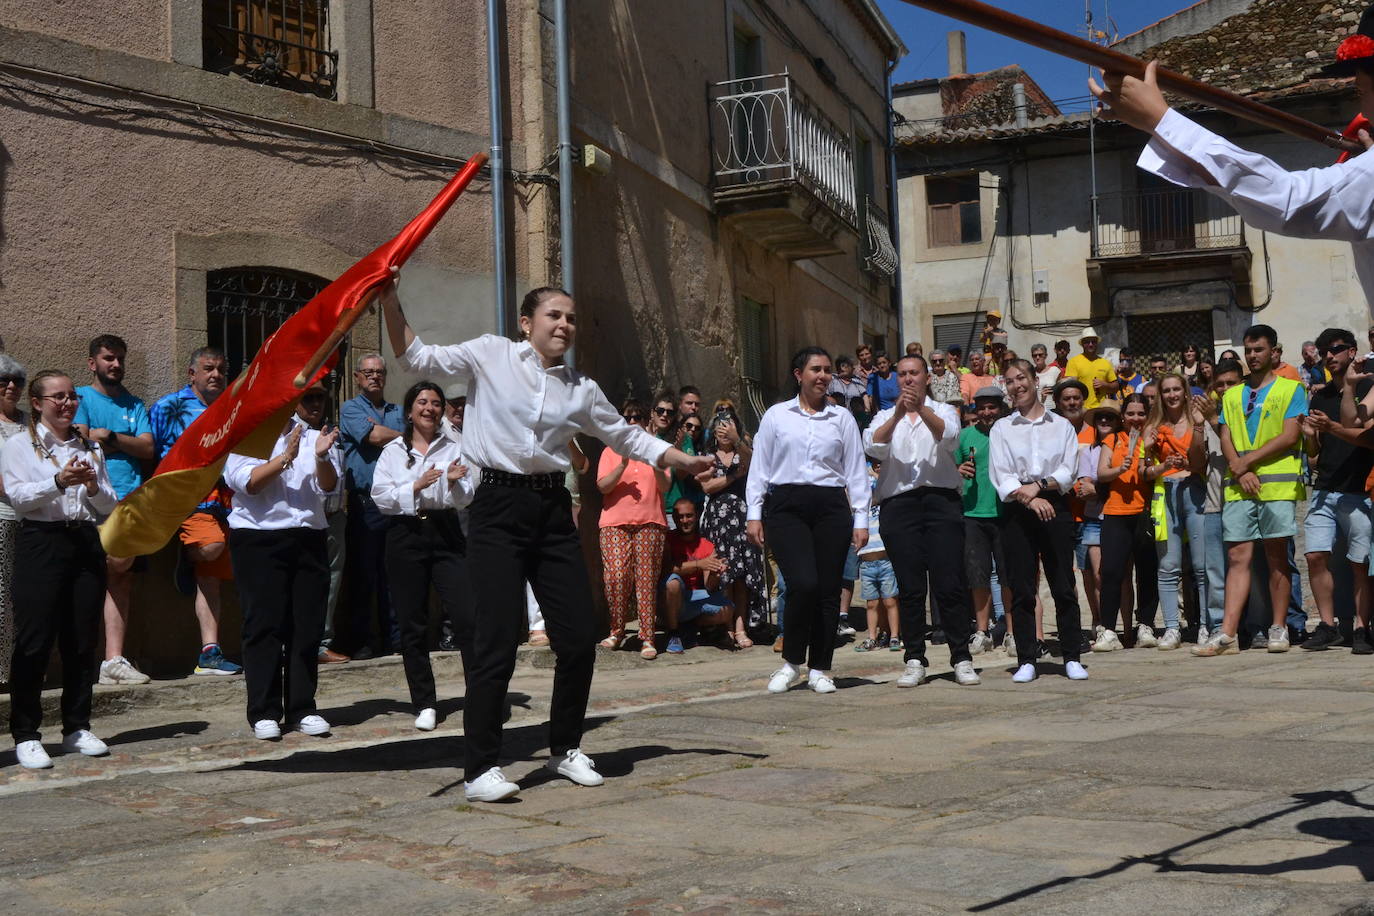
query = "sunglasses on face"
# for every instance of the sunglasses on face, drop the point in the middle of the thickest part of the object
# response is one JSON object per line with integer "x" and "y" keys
{"x": 634, "y": 417}
{"x": 1334, "y": 349}
{"x": 8, "y": 380}
{"x": 664, "y": 411}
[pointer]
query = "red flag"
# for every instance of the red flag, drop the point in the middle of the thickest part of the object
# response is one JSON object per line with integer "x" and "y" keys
{"x": 249, "y": 416}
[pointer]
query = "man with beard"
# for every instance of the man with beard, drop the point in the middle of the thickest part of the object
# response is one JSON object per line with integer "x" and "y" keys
{"x": 110, "y": 415}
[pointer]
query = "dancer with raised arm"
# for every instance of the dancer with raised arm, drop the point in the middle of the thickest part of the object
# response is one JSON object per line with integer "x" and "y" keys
{"x": 524, "y": 406}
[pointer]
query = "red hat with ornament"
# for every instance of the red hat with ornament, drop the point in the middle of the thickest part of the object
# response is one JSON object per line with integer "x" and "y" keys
{"x": 1356, "y": 50}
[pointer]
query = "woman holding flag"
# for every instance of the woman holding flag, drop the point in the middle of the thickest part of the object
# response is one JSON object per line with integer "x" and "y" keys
{"x": 524, "y": 407}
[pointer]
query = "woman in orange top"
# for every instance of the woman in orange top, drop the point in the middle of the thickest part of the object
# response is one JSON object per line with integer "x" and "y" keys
{"x": 1181, "y": 460}
{"x": 1127, "y": 535}
{"x": 632, "y": 532}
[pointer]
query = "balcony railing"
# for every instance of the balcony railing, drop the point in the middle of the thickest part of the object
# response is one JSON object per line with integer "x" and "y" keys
{"x": 764, "y": 130}
{"x": 880, "y": 257}
{"x": 1138, "y": 223}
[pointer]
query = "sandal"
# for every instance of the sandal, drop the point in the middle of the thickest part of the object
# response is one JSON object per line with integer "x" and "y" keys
{"x": 539, "y": 638}
{"x": 612, "y": 642}
{"x": 648, "y": 653}
{"x": 743, "y": 641}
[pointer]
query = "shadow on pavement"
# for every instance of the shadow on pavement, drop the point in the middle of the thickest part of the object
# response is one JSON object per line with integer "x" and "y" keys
{"x": 158, "y": 732}
{"x": 1357, "y": 831}
{"x": 363, "y": 710}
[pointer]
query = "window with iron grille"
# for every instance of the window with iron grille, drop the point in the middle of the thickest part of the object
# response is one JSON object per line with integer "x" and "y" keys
{"x": 756, "y": 358}
{"x": 1167, "y": 334}
{"x": 283, "y": 43}
{"x": 245, "y": 305}
{"x": 954, "y": 210}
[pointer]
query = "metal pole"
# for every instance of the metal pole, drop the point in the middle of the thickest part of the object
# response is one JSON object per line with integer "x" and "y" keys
{"x": 565, "y": 176}
{"x": 495, "y": 66}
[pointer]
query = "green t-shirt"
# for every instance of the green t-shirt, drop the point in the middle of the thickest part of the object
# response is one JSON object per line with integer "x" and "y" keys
{"x": 680, "y": 487}
{"x": 980, "y": 498}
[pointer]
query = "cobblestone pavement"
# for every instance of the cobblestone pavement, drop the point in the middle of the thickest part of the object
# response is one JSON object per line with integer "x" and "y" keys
{"x": 1165, "y": 784}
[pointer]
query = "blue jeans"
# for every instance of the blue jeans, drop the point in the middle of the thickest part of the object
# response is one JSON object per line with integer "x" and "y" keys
{"x": 997, "y": 610}
{"x": 1215, "y": 606}
{"x": 781, "y": 602}
{"x": 1184, "y": 499}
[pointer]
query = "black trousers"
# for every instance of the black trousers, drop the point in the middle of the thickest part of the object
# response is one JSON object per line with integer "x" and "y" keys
{"x": 923, "y": 531}
{"x": 1128, "y": 537}
{"x": 58, "y": 597}
{"x": 809, "y": 529}
{"x": 1027, "y": 542}
{"x": 369, "y": 595}
{"x": 421, "y": 551}
{"x": 516, "y": 535}
{"x": 283, "y": 580}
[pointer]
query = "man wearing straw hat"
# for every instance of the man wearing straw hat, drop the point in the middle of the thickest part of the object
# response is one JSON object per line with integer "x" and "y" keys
{"x": 1096, "y": 373}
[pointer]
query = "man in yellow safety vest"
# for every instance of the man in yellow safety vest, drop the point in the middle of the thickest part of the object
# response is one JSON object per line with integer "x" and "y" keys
{"x": 1260, "y": 435}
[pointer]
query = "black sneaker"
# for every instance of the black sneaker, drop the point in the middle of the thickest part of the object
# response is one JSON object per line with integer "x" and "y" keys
{"x": 1360, "y": 644}
{"x": 1323, "y": 637}
{"x": 1298, "y": 636}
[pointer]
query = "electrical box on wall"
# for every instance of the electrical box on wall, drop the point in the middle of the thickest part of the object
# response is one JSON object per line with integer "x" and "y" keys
{"x": 595, "y": 159}
{"x": 1040, "y": 285}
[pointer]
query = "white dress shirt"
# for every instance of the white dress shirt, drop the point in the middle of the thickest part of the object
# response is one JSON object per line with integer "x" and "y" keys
{"x": 1335, "y": 202}
{"x": 393, "y": 484}
{"x": 822, "y": 449}
{"x": 914, "y": 457}
{"x": 29, "y": 473}
{"x": 292, "y": 499}
{"x": 1024, "y": 451}
{"x": 521, "y": 416}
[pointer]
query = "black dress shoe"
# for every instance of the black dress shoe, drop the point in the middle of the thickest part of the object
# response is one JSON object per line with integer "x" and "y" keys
{"x": 446, "y": 644}
{"x": 363, "y": 654}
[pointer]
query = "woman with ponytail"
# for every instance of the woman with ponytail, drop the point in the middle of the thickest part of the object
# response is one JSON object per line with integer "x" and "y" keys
{"x": 58, "y": 485}
{"x": 420, "y": 484}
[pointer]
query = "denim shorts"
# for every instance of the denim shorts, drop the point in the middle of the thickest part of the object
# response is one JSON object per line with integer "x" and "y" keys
{"x": 1333, "y": 514}
{"x": 851, "y": 566}
{"x": 878, "y": 579}
{"x": 1256, "y": 520}
{"x": 1087, "y": 533}
{"x": 699, "y": 601}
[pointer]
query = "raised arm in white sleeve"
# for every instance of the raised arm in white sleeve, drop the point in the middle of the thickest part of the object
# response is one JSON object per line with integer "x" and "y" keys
{"x": 605, "y": 423}
{"x": 456, "y": 360}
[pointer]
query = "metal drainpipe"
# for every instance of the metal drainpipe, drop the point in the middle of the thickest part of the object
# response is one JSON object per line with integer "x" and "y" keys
{"x": 565, "y": 176}
{"x": 495, "y": 66}
{"x": 892, "y": 220}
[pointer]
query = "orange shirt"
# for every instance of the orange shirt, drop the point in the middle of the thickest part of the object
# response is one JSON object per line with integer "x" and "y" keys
{"x": 1086, "y": 437}
{"x": 1287, "y": 370}
{"x": 1170, "y": 445}
{"x": 1128, "y": 494}
{"x": 636, "y": 499}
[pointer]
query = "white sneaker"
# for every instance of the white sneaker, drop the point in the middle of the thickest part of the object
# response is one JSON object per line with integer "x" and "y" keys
{"x": 1202, "y": 634}
{"x": 1278, "y": 639}
{"x": 1009, "y": 645}
{"x": 1098, "y": 630}
{"x": 914, "y": 675}
{"x": 1145, "y": 637}
{"x": 1075, "y": 671}
{"x": 489, "y": 787}
{"x": 1171, "y": 639}
{"x": 820, "y": 681}
{"x": 83, "y": 742}
{"x": 782, "y": 679}
{"x": 266, "y": 729}
{"x": 313, "y": 725}
{"x": 119, "y": 670}
{"x": 844, "y": 629}
{"x": 427, "y": 719}
{"x": 1107, "y": 641}
{"x": 32, "y": 756}
{"x": 979, "y": 643}
{"x": 1025, "y": 674}
{"x": 965, "y": 675}
{"x": 576, "y": 766}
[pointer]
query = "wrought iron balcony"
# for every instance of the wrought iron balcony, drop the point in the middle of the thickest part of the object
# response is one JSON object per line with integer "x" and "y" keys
{"x": 1142, "y": 223}
{"x": 283, "y": 43}
{"x": 782, "y": 171}
{"x": 880, "y": 257}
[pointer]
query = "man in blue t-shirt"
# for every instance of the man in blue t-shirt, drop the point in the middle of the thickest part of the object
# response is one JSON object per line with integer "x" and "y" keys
{"x": 366, "y": 424}
{"x": 110, "y": 415}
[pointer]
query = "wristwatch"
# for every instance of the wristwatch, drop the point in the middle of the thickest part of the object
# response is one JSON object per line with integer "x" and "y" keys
{"x": 1044, "y": 484}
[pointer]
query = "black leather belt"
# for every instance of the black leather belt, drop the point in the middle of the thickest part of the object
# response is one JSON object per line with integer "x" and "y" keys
{"x": 437, "y": 514}
{"x": 65, "y": 523}
{"x": 549, "y": 481}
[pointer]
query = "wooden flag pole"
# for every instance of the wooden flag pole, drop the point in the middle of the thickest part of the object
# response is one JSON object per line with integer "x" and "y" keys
{"x": 989, "y": 17}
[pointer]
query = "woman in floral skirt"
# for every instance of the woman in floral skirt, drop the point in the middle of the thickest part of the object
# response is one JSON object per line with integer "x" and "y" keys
{"x": 723, "y": 523}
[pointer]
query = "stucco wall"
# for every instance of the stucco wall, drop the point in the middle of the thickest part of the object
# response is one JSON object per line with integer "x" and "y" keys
{"x": 138, "y": 27}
